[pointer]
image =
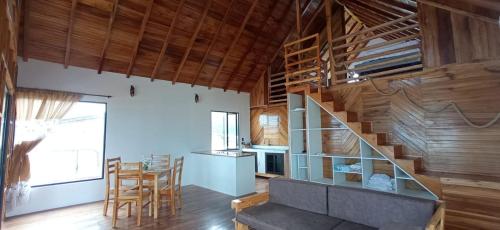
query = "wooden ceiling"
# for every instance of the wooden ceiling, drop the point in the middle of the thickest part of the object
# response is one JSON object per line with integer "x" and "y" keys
{"x": 216, "y": 43}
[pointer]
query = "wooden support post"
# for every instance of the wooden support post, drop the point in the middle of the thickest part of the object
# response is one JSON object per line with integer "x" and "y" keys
{"x": 331, "y": 58}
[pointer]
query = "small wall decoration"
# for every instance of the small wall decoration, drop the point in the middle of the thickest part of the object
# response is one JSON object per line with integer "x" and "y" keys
{"x": 196, "y": 98}
{"x": 132, "y": 91}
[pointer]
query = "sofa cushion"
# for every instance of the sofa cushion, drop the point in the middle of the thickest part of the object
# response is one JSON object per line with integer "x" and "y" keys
{"x": 299, "y": 194}
{"x": 270, "y": 216}
{"x": 347, "y": 225}
{"x": 376, "y": 209}
{"x": 399, "y": 226}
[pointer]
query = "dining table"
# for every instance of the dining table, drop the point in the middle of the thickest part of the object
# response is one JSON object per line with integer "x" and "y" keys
{"x": 154, "y": 175}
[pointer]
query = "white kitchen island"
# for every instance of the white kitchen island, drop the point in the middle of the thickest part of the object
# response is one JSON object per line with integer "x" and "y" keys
{"x": 228, "y": 172}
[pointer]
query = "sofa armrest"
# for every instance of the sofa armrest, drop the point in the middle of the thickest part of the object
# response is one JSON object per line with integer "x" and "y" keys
{"x": 249, "y": 201}
{"x": 437, "y": 220}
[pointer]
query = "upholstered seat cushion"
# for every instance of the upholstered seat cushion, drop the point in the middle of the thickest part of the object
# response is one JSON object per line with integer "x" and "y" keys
{"x": 346, "y": 225}
{"x": 377, "y": 209}
{"x": 303, "y": 195}
{"x": 271, "y": 216}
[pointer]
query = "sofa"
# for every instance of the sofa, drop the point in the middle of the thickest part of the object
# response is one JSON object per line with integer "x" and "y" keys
{"x": 300, "y": 205}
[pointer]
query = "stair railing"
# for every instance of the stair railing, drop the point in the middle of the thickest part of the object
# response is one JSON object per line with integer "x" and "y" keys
{"x": 303, "y": 63}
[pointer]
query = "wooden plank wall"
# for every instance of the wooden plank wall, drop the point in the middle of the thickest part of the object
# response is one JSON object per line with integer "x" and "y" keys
{"x": 450, "y": 37}
{"x": 446, "y": 143}
{"x": 471, "y": 204}
{"x": 268, "y": 124}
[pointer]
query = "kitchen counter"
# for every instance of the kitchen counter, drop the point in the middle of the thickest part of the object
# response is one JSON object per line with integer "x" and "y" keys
{"x": 228, "y": 172}
{"x": 226, "y": 153}
{"x": 266, "y": 148}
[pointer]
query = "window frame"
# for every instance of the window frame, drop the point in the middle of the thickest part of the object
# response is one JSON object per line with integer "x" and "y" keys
{"x": 103, "y": 151}
{"x": 227, "y": 130}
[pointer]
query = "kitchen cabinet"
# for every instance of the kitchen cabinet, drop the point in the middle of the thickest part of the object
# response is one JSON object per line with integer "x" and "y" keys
{"x": 261, "y": 162}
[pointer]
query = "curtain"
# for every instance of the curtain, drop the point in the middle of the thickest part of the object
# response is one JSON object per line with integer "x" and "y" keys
{"x": 36, "y": 111}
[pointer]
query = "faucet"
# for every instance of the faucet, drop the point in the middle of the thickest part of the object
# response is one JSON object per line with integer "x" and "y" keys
{"x": 268, "y": 141}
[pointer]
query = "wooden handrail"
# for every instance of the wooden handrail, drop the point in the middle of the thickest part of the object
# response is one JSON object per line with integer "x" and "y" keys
{"x": 376, "y": 36}
{"x": 391, "y": 61}
{"x": 315, "y": 68}
{"x": 303, "y": 81}
{"x": 379, "y": 74}
{"x": 371, "y": 29}
{"x": 301, "y": 61}
{"x": 376, "y": 55}
{"x": 301, "y": 51}
{"x": 301, "y": 40}
{"x": 379, "y": 45}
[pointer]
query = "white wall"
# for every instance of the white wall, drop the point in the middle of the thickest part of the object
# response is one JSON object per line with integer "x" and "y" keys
{"x": 161, "y": 118}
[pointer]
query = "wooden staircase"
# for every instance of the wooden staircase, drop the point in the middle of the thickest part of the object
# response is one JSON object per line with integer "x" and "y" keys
{"x": 379, "y": 141}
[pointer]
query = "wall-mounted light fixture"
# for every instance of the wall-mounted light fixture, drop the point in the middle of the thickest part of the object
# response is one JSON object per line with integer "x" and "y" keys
{"x": 196, "y": 98}
{"x": 132, "y": 90}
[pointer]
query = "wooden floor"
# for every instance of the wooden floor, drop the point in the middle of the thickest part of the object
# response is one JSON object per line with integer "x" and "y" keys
{"x": 203, "y": 209}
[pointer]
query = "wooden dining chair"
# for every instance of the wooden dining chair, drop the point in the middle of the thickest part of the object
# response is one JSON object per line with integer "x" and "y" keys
{"x": 159, "y": 163}
{"x": 173, "y": 190}
{"x": 132, "y": 172}
{"x": 109, "y": 190}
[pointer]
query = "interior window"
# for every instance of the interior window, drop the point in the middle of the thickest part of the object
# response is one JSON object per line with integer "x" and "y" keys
{"x": 224, "y": 130}
{"x": 73, "y": 149}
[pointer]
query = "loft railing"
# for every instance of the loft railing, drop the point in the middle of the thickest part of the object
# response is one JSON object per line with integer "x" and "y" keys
{"x": 303, "y": 63}
{"x": 277, "y": 89}
{"x": 384, "y": 50}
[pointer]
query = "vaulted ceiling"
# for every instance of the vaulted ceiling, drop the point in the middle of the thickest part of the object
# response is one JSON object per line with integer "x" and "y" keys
{"x": 216, "y": 43}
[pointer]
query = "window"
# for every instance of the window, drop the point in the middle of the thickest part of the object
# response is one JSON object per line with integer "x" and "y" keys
{"x": 73, "y": 148}
{"x": 225, "y": 130}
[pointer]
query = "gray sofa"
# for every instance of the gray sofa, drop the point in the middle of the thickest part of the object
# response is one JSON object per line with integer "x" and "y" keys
{"x": 299, "y": 205}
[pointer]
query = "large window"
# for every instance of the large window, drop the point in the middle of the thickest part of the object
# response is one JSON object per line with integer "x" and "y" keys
{"x": 73, "y": 148}
{"x": 224, "y": 130}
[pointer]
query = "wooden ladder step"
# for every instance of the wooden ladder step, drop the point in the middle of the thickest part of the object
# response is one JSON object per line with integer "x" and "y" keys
{"x": 366, "y": 127}
{"x": 346, "y": 116}
{"x": 392, "y": 151}
{"x": 414, "y": 166}
{"x": 326, "y": 97}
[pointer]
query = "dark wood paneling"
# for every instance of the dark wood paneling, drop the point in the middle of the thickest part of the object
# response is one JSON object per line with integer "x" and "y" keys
{"x": 49, "y": 23}
{"x": 450, "y": 37}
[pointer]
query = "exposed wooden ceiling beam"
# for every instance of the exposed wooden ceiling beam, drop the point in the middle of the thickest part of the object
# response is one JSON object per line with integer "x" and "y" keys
{"x": 281, "y": 24}
{"x": 215, "y": 36}
{"x": 144, "y": 23}
{"x": 26, "y": 19}
{"x": 309, "y": 4}
{"x": 298, "y": 18}
{"x": 70, "y": 32}
{"x": 233, "y": 44}
{"x": 290, "y": 34}
{"x": 314, "y": 16}
{"x": 192, "y": 40}
{"x": 165, "y": 41}
{"x": 108, "y": 35}
{"x": 254, "y": 42}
